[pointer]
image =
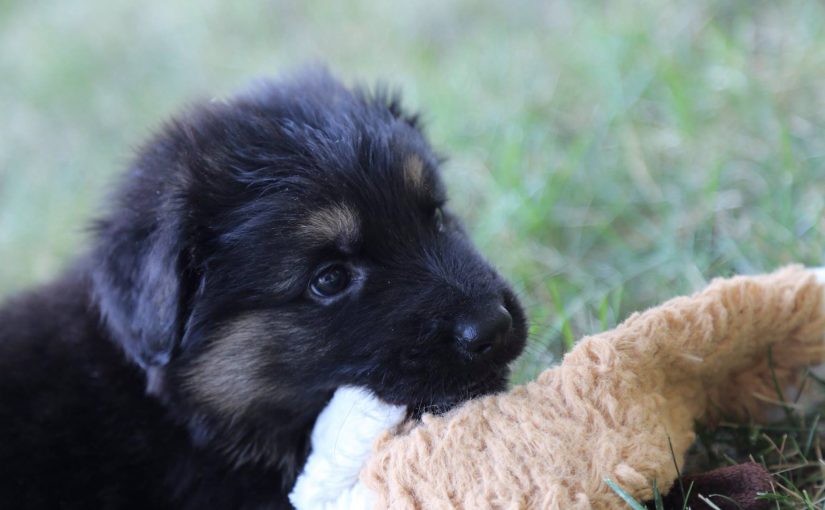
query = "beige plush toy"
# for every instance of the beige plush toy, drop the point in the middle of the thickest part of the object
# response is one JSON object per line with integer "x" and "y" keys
{"x": 611, "y": 410}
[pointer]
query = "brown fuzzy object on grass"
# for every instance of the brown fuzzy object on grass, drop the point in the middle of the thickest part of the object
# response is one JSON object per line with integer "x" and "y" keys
{"x": 614, "y": 406}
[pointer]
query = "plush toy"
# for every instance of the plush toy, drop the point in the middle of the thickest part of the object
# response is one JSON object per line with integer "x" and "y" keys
{"x": 620, "y": 407}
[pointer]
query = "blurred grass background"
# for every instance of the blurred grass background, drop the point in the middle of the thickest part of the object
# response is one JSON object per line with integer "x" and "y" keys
{"x": 607, "y": 155}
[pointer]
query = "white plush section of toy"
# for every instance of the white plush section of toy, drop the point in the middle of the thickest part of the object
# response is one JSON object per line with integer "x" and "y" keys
{"x": 341, "y": 443}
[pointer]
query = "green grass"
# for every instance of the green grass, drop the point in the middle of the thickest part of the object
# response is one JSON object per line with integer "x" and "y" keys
{"x": 607, "y": 155}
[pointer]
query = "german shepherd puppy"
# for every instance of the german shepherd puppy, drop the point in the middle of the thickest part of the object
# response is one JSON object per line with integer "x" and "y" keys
{"x": 260, "y": 252}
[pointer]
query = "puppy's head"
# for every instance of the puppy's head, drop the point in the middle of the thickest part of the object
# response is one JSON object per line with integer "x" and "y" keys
{"x": 267, "y": 249}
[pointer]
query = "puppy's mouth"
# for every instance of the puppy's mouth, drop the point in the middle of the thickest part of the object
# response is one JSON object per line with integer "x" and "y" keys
{"x": 447, "y": 370}
{"x": 439, "y": 404}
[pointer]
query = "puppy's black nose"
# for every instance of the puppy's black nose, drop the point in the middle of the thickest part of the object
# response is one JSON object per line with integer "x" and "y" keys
{"x": 484, "y": 334}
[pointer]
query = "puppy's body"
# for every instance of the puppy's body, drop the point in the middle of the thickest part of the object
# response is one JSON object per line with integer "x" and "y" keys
{"x": 79, "y": 431}
{"x": 259, "y": 253}
{"x": 74, "y": 413}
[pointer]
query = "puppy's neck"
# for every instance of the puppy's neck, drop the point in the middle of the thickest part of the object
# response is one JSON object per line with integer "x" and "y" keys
{"x": 272, "y": 437}
{"x": 251, "y": 442}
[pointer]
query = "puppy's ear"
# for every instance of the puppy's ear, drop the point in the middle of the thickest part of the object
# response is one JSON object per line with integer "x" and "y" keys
{"x": 142, "y": 274}
{"x": 147, "y": 273}
{"x": 389, "y": 98}
{"x": 394, "y": 105}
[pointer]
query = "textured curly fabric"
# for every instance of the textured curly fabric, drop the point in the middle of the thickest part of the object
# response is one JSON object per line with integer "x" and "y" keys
{"x": 610, "y": 408}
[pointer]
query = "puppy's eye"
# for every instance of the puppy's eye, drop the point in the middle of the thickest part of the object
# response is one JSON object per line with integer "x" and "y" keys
{"x": 330, "y": 281}
{"x": 438, "y": 219}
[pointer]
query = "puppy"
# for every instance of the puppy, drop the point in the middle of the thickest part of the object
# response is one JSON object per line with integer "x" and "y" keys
{"x": 259, "y": 253}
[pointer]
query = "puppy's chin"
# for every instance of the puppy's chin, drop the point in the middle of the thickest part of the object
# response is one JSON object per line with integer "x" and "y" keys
{"x": 438, "y": 403}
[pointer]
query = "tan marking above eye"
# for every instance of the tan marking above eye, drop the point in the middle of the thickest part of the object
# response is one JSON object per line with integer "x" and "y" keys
{"x": 414, "y": 172}
{"x": 338, "y": 222}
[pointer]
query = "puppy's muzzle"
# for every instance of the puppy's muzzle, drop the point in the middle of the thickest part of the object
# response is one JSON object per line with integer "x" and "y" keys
{"x": 483, "y": 334}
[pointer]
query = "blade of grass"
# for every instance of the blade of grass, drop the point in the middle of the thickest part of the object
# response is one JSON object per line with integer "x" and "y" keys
{"x": 635, "y": 505}
{"x": 657, "y": 497}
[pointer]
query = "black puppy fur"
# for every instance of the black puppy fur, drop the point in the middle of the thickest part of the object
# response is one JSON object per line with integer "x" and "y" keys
{"x": 259, "y": 253}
